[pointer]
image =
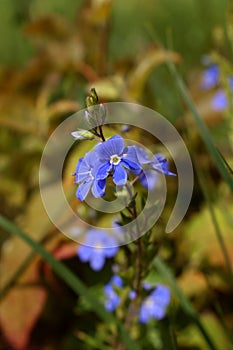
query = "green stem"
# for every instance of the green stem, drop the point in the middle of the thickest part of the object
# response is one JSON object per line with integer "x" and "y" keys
{"x": 101, "y": 133}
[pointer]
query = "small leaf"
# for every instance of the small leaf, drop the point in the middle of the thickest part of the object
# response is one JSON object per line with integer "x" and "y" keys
{"x": 81, "y": 135}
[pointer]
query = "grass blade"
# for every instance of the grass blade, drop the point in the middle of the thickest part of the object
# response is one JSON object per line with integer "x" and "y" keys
{"x": 72, "y": 281}
{"x": 204, "y": 132}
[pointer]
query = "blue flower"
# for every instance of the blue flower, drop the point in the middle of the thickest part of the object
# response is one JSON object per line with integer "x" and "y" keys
{"x": 112, "y": 299}
{"x": 160, "y": 164}
{"x": 86, "y": 177}
{"x": 148, "y": 175}
{"x": 148, "y": 178}
{"x": 219, "y": 100}
{"x": 116, "y": 158}
{"x": 132, "y": 294}
{"x": 231, "y": 82}
{"x": 146, "y": 285}
{"x": 155, "y": 305}
{"x": 210, "y": 77}
{"x": 142, "y": 155}
{"x": 97, "y": 246}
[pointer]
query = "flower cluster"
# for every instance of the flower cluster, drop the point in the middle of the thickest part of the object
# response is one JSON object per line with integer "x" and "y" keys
{"x": 154, "y": 306}
{"x": 112, "y": 158}
{"x": 97, "y": 246}
{"x": 210, "y": 80}
{"x": 112, "y": 299}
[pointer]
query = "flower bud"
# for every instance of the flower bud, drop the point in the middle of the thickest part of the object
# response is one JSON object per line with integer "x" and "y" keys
{"x": 95, "y": 115}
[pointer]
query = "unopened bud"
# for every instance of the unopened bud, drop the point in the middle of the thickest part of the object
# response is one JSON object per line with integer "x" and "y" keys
{"x": 92, "y": 99}
{"x": 95, "y": 115}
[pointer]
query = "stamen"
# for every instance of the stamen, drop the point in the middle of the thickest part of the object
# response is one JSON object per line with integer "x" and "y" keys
{"x": 115, "y": 159}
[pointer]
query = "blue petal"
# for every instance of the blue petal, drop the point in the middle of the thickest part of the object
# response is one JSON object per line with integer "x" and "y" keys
{"x": 110, "y": 252}
{"x": 161, "y": 164}
{"x": 83, "y": 190}
{"x": 78, "y": 168}
{"x": 219, "y": 101}
{"x": 114, "y": 145}
{"x": 231, "y": 82}
{"x": 84, "y": 253}
{"x": 162, "y": 294}
{"x": 144, "y": 315}
{"x": 103, "y": 171}
{"x": 158, "y": 311}
{"x": 141, "y": 155}
{"x": 119, "y": 175}
{"x": 148, "y": 179}
{"x": 98, "y": 188}
{"x": 91, "y": 158}
{"x": 117, "y": 281}
{"x": 210, "y": 77}
{"x": 112, "y": 300}
{"x": 86, "y": 166}
{"x": 97, "y": 260}
{"x": 82, "y": 171}
{"x": 134, "y": 166}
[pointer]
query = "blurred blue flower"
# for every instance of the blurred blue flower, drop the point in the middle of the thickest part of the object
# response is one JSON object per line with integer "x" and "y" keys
{"x": 148, "y": 178}
{"x": 160, "y": 164}
{"x": 146, "y": 285}
{"x": 116, "y": 158}
{"x": 148, "y": 174}
{"x": 86, "y": 170}
{"x": 155, "y": 305}
{"x": 97, "y": 246}
{"x": 219, "y": 100}
{"x": 132, "y": 294}
{"x": 231, "y": 82}
{"x": 112, "y": 299}
{"x": 210, "y": 77}
{"x": 116, "y": 281}
{"x": 142, "y": 155}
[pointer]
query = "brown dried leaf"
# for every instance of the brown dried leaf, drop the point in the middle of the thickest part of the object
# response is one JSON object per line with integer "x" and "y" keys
{"x": 201, "y": 240}
{"x": 66, "y": 250}
{"x": 53, "y": 27}
{"x": 22, "y": 306}
{"x": 61, "y": 107}
{"x": 192, "y": 283}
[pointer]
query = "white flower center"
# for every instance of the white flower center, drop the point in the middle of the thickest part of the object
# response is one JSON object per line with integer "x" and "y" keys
{"x": 91, "y": 175}
{"x": 115, "y": 159}
{"x": 149, "y": 302}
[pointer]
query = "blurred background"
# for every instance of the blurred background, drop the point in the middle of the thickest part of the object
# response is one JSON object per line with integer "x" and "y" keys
{"x": 51, "y": 53}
